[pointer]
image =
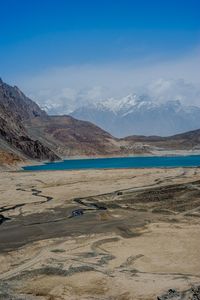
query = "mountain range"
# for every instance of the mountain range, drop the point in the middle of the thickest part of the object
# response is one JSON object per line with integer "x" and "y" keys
{"x": 29, "y": 133}
{"x": 140, "y": 115}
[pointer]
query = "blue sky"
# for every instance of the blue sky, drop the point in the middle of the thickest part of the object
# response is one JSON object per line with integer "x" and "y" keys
{"x": 38, "y": 37}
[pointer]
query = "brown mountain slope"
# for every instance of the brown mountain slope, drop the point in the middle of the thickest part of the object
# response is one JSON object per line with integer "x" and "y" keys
{"x": 29, "y": 132}
{"x": 185, "y": 141}
{"x": 7, "y": 158}
{"x": 13, "y": 100}
{"x": 70, "y": 137}
{"x": 15, "y": 107}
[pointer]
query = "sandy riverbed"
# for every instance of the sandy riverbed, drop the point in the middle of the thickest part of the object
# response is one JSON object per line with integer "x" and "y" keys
{"x": 143, "y": 241}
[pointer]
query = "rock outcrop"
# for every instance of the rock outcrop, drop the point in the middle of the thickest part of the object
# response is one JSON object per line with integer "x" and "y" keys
{"x": 15, "y": 108}
{"x": 172, "y": 294}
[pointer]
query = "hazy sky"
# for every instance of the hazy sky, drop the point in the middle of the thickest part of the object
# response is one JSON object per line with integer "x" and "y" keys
{"x": 57, "y": 49}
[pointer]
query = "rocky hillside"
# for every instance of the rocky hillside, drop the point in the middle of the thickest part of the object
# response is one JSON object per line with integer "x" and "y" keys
{"x": 70, "y": 137}
{"x": 15, "y": 108}
{"x": 185, "y": 141}
{"x": 7, "y": 158}
{"x": 28, "y": 132}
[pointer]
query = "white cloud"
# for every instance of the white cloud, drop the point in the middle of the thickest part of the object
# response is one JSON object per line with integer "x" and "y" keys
{"x": 68, "y": 87}
{"x": 163, "y": 90}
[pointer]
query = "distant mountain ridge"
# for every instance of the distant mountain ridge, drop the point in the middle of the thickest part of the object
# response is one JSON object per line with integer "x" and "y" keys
{"x": 27, "y": 132}
{"x": 140, "y": 115}
{"x": 185, "y": 141}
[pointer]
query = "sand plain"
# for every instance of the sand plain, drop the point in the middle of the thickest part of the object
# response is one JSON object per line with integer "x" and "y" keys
{"x": 137, "y": 237}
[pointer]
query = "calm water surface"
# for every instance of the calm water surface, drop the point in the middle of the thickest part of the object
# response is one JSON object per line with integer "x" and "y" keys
{"x": 120, "y": 162}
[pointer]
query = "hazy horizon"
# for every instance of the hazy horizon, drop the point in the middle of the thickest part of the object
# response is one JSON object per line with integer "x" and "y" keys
{"x": 67, "y": 52}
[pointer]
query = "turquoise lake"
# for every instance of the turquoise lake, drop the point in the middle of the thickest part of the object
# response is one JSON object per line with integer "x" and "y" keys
{"x": 120, "y": 162}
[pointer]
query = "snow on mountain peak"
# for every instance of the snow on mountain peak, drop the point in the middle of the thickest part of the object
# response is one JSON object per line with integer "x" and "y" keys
{"x": 140, "y": 114}
{"x": 123, "y": 105}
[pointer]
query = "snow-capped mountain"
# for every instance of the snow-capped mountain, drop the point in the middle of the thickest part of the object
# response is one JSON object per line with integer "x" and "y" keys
{"x": 135, "y": 114}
